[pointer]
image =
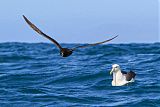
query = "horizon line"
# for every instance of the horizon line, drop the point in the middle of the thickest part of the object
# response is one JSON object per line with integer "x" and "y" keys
{"x": 82, "y": 43}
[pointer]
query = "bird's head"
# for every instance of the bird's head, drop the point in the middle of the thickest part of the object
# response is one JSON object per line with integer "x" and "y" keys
{"x": 65, "y": 52}
{"x": 115, "y": 68}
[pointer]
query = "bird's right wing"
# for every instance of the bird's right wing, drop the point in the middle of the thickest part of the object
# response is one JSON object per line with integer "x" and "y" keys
{"x": 41, "y": 33}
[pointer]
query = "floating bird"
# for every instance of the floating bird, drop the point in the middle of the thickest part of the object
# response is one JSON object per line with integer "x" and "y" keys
{"x": 64, "y": 52}
{"x": 121, "y": 78}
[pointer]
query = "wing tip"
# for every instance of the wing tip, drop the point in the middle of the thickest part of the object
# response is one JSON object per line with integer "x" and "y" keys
{"x": 24, "y": 16}
{"x": 116, "y": 36}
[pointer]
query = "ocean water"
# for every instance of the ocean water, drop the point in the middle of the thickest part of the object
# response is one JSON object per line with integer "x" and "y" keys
{"x": 35, "y": 75}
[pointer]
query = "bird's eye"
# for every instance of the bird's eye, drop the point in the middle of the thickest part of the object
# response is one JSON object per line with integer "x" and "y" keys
{"x": 62, "y": 53}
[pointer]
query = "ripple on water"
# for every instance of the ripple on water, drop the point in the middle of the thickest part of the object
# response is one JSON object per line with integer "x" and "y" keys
{"x": 36, "y": 75}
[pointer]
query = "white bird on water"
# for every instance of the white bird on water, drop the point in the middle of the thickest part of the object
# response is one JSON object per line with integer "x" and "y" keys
{"x": 121, "y": 78}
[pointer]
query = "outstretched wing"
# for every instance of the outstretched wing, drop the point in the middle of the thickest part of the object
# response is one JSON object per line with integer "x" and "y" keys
{"x": 83, "y": 46}
{"x": 41, "y": 33}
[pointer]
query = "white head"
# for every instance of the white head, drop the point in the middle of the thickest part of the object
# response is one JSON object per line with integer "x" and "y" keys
{"x": 115, "y": 68}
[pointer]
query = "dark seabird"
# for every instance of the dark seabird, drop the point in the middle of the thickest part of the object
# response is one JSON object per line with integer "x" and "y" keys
{"x": 64, "y": 52}
{"x": 121, "y": 78}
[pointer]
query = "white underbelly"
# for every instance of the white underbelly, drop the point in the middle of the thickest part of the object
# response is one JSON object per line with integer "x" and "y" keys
{"x": 121, "y": 83}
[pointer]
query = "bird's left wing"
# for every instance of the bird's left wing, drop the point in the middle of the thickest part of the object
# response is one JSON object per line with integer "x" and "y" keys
{"x": 83, "y": 46}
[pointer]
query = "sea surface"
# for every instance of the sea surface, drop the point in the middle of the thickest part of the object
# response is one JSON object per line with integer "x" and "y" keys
{"x": 35, "y": 75}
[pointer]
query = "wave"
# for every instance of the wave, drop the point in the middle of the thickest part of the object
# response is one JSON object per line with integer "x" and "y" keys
{"x": 34, "y": 74}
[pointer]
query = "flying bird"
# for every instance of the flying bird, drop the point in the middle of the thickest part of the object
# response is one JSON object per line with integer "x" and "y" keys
{"x": 64, "y": 52}
{"x": 120, "y": 77}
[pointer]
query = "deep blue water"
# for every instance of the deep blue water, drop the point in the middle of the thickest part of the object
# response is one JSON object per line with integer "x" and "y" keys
{"x": 35, "y": 75}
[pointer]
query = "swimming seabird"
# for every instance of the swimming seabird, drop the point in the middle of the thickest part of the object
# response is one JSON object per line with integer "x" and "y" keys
{"x": 121, "y": 78}
{"x": 64, "y": 52}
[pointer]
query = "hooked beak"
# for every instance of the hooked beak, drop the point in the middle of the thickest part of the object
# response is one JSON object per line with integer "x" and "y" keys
{"x": 111, "y": 71}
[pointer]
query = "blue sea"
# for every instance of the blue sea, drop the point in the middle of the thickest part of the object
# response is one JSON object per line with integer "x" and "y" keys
{"x": 35, "y": 75}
